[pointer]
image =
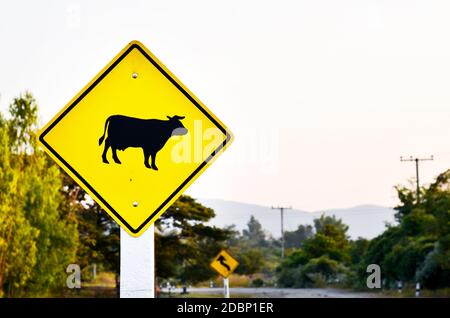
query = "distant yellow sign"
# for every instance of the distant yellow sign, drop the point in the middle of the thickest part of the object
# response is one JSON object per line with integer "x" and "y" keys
{"x": 224, "y": 264}
{"x": 134, "y": 138}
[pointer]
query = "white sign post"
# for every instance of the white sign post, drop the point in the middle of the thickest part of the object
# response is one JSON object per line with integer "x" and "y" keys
{"x": 137, "y": 264}
{"x": 226, "y": 288}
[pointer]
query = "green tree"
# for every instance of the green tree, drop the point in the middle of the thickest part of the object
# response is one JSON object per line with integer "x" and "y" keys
{"x": 330, "y": 239}
{"x": 22, "y": 125}
{"x": 38, "y": 241}
{"x": 99, "y": 234}
{"x": 405, "y": 257}
{"x": 299, "y": 236}
{"x": 434, "y": 272}
{"x": 254, "y": 234}
{"x": 254, "y": 249}
{"x": 321, "y": 271}
{"x": 324, "y": 220}
{"x": 58, "y": 236}
{"x": 358, "y": 249}
{"x": 184, "y": 244}
{"x": 324, "y": 257}
{"x": 417, "y": 249}
{"x": 251, "y": 261}
{"x": 17, "y": 236}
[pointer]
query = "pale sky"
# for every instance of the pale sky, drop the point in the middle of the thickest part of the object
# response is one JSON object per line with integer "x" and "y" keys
{"x": 323, "y": 97}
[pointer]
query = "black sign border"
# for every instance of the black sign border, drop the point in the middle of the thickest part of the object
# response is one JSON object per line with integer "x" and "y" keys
{"x": 86, "y": 91}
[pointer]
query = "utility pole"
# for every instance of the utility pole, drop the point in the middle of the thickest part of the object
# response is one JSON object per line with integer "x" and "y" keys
{"x": 282, "y": 208}
{"x": 417, "y": 160}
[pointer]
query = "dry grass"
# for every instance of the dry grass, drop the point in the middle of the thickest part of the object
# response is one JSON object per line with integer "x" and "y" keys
{"x": 104, "y": 286}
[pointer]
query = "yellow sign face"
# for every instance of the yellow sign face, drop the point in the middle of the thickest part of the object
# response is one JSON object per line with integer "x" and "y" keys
{"x": 224, "y": 264}
{"x": 134, "y": 138}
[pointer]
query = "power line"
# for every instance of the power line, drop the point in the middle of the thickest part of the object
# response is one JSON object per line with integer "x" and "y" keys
{"x": 417, "y": 160}
{"x": 282, "y": 208}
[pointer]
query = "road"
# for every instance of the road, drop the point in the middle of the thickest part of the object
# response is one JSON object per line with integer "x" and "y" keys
{"x": 278, "y": 292}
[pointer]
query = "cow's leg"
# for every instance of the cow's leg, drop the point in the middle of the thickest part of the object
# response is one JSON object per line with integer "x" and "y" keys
{"x": 114, "y": 152}
{"x": 105, "y": 150}
{"x": 146, "y": 157}
{"x": 154, "y": 167}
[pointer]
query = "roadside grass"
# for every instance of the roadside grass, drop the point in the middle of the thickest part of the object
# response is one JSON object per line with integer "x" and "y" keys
{"x": 237, "y": 280}
{"x": 204, "y": 295}
{"x": 104, "y": 279}
{"x": 410, "y": 292}
{"x": 101, "y": 287}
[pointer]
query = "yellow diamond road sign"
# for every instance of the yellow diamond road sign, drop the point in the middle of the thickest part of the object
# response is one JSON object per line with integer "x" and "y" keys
{"x": 224, "y": 264}
{"x": 134, "y": 138}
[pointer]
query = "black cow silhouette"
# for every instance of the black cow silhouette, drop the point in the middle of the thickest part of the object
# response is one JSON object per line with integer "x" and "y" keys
{"x": 149, "y": 134}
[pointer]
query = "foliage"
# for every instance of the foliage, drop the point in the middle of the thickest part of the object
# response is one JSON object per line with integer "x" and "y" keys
{"x": 99, "y": 235}
{"x": 323, "y": 221}
{"x": 417, "y": 249}
{"x": 251, "y": 261}
{"x": 37, "y": 242}
{"x": 22, "y": 124}
{"x": 358, "y": 249}
{"x": 254, "y": 234}
{"x": 58, "y": 236}
{"x": 17, "y": 236}
{"x": 295, "y": 239}
{"x": 321, "y": 270}
{"x": 331, "y": 240}
{"x": 184, "y": 244}
{"x": 321, "y": 260}
{"x": 258, "y": 282}
{"x": 256, "y": 251}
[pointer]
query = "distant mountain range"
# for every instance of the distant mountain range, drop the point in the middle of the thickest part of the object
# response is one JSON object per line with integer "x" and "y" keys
{"x": 366, "y": 221}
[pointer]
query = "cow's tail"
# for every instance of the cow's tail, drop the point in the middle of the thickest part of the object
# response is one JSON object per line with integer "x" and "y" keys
{"x": 104, "y": 132}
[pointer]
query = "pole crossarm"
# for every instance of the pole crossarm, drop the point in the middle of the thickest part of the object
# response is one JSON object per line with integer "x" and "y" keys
{"x": 411, "y": 158}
